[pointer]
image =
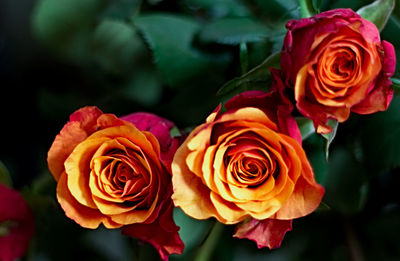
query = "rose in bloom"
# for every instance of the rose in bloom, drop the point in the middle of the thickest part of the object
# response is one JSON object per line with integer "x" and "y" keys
{"x": 16, "y": 224}
{"x": 336, "y": 63}
{"x": 243, "y": 165}
{"x": 116, "y": 172}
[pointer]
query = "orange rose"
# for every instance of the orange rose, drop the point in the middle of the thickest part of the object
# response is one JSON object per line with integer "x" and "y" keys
{"x": 336, "y": 63}
{"x": 110, "y": 172}
{"x": 242, "y": 164}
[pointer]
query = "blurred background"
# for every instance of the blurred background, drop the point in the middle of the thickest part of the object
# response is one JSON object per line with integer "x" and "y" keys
{"x": 170, "y": 58}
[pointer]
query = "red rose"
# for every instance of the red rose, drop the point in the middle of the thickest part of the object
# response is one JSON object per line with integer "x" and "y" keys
{"x": 336, "y": 63}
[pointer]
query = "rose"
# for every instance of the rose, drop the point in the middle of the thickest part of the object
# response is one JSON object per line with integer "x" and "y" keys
{"x": 242, "y": 164}
{"x": 16, "y": 224}
{"x": 111, "y": 172}
{"x": 336, "y": 63}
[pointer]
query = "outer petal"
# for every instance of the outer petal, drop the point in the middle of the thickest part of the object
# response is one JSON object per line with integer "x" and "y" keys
{"x": 266, "y": 233}
{"x": 160, "y": 128}
{"x": 162, "y": 234}
{"x": 13, "y": 208}
{"x": 307, "y": 194}
{"x": 189, "y": 192}
{"x": 65, "y": 142}
{"x": 84, "y": 216}
{"x": 82, "y": 123}
{"x": 381, "y": 96}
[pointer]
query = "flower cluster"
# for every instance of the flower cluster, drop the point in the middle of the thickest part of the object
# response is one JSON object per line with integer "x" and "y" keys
{"x": 244, "y": 165}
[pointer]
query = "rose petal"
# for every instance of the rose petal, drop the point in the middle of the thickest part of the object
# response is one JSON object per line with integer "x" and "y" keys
{"x": 307, "y": 194}
{"x": 162, "y": 234}
{"x": 266, "y": 233}
{"x": 378, "y": 100}
{"x": 13, "y": 208}
{"x": 84, "y": 216}
{"x": 189, "y": 192}
{"x": 160, "y": 128}
{"x": 65, "y": 142}
{"x": 389, "y": 60}
{"x": 82, "y": 123}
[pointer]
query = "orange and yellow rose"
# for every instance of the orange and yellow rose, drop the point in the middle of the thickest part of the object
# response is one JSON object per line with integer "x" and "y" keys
{"x": 337, "y": 63}
{"x": 243, "y": 164}
{"x": 111, "y": 172}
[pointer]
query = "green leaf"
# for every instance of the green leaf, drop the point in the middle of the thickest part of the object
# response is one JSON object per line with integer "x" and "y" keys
{"x": 345, "y": 182}
{"x": 170, "y": 38}
{"x": 5, "y": 177}
{"x": 192, "y": 231}
{"x": 115, "y": 45}
{"x": 330, "y": 136}
{"x": 259, "y": 74}
{"x": 396, "y": 85}
{"x": 306, "y": 127}
{"x": 220, "y": 8}
{"x": 65, "y": 25}
{"x": 234, "y": 31}
{"x": 317, "y": 5}
{"x": 377, "y": 12}
{"x": 121, "y": 9}
{"x": 144, "y": 88}
{"x": 307, "y": 8}
{"x": 380, "y": 139}
{"x": 314, "y": 147}
{"x": 278, "y": 11}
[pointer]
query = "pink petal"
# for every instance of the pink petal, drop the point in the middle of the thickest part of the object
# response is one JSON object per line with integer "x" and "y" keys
{"x": 160, "y": 128}
{"x": 162, "y": 234}
{"x": 266, "y": 233}
{"x": 389, "y": 60}
{"x": 14, "y": 208}
{"x": 378, "y": 100}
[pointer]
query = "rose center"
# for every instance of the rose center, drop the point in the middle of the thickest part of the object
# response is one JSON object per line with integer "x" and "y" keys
{"x": 123, "y": 173}
{"x": 251, "y": 170}
{"x": 343, "y": 65}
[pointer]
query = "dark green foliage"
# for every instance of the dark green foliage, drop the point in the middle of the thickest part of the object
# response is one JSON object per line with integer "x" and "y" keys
{"x": 180, "y": 59}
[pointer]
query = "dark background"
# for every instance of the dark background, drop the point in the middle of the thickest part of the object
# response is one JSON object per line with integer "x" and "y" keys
{"x": 55, "y": 58}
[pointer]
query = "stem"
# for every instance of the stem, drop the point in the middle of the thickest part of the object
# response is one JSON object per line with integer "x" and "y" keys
{"x": 244, "y": 59}
{"x": 353, "y": 244}
{"x": 207, "y": 248}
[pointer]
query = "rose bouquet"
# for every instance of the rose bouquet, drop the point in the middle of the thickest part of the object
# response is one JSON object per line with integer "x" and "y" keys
{"x": 244, "y": 120}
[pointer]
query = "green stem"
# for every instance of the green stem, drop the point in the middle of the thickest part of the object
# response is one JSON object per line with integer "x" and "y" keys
{"x": 244, "y": 60}
{"x": 353, "y": 244}
{"x": 207, "y": 248}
